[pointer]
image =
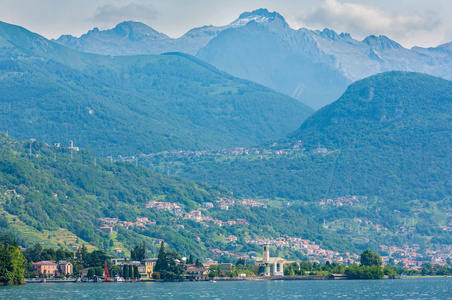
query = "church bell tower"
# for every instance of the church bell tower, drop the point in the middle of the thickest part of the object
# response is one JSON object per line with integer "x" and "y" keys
{"x": 266, "y": 255}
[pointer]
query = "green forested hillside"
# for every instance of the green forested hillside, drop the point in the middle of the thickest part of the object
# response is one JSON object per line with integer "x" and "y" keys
{"x": 53, "y": 192}
{"x": 388, "y": 136}
{"x": 135, "y": 104}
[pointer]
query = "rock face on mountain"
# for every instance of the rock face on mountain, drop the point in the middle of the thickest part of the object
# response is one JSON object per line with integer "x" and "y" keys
{"x": 115, "y": 41}
{"x": 132, "y": 104}
{"x": 129, "y": 38}
{"x": 310, "y": 65}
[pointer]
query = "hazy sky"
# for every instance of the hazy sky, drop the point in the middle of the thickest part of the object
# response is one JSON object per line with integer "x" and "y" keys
{"x": 410, "y": 22}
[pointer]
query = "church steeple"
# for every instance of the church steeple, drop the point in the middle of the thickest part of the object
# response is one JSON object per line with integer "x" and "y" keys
{"x": 266, "y": 254}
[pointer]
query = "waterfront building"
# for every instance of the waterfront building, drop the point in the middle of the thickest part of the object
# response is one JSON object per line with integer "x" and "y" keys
{"x": 271, "y": 266}
{"x": 53, "y": 268}
{"x": 65, "y": 267}
{"x": 45, "y": 267}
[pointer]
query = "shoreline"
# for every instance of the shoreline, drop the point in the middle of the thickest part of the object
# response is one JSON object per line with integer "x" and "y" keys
{"x": 213, "y": 280}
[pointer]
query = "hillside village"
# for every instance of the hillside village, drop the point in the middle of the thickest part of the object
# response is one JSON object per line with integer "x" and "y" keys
{"x": 288, "y": 149}
{"x": 410, "y": 257}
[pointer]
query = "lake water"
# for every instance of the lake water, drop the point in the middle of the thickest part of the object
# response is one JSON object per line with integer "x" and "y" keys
{"x": 416, "y": 288}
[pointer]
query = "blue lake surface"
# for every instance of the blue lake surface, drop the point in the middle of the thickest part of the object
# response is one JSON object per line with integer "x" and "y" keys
{"x": 416, "y": 288}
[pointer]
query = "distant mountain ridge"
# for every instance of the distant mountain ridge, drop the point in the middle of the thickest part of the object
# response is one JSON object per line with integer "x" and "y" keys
{"x": 132, "y": 104}
{"x": 310, "y": 65}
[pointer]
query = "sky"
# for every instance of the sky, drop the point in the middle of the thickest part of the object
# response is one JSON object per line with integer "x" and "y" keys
{"x": 409, "y": 22}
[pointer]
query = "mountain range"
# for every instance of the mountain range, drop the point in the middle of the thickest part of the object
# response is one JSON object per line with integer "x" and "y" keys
{"x": 260, "y": 46}
{"x": 387, "y": 138}
{"x": 132, "y": 104}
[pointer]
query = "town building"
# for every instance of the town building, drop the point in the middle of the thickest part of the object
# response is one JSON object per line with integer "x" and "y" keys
{"x": 146, "y": 268}
{"x": 45, "y": 267}
{"x": 271, "y": 266}
{"x": 53, "y": 268}
{"x": 65, "y": 267}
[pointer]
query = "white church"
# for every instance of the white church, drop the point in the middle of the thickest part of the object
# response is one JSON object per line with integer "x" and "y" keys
{"x": 271, "y": 266}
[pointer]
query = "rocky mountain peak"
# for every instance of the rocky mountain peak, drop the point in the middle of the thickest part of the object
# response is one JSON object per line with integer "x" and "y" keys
{"x": 136, "y": 30}
{"x": 261, "y": 15}
{"x": 381, "y": 43}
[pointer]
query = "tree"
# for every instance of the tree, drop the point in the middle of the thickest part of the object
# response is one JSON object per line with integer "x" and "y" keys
{"x": 82, "y": 253}
{"x": 160, "y": 264}
{"x": 125, "y": 271}
{"x": 138, "y": 253}
{"x": 60, "y": 255}
{"x": 90, "y": 273}
{"x": 370, "y": 258}
{"x": 97, "y": 258}
{"x": 115, "y": 270}
{"x": 168, "y": 264}
{"x": 34, "y": 253}
{"x": 190, "y": 259}
{"x": 198, "y": 263}
{"x": 12, "y": 262}
{"x": 212, "y": 274}
{"x": 216, "y": 268}
{"x": 241, "y": 261}
{"x": 98, "y": 271}
{"x": 135, "y": 272}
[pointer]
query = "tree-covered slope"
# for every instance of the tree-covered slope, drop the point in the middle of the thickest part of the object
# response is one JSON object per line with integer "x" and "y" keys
{"x": 53, "y": 191}
{"x": 132, "y": 104}
{"x": 388, "y": 136}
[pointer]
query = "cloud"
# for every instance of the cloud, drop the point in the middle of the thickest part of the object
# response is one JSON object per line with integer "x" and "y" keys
{"x": 363, "y": 20}
{"x": 110, "y": 14}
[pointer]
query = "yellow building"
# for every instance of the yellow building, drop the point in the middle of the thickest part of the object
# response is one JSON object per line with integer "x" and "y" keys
{"x": 146, "y": 268}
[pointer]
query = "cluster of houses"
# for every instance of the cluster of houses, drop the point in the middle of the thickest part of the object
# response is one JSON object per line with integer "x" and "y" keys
{"x": 196, "y": 215}
{"x": 409, "y": 256}
{"x": 251, "y": 203}
{"x": 221, "y": 152}
{"x": 345, "y": 200}
{"x": 447, "y": 227}
{"x": 222, "y": 204}
{"x": 360, "y": 224}
{"x": 110, "y": 224}
{"x": 218, "y": 252}
{"x": 315, "y": 253}
{"x": 174, "y": 207}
